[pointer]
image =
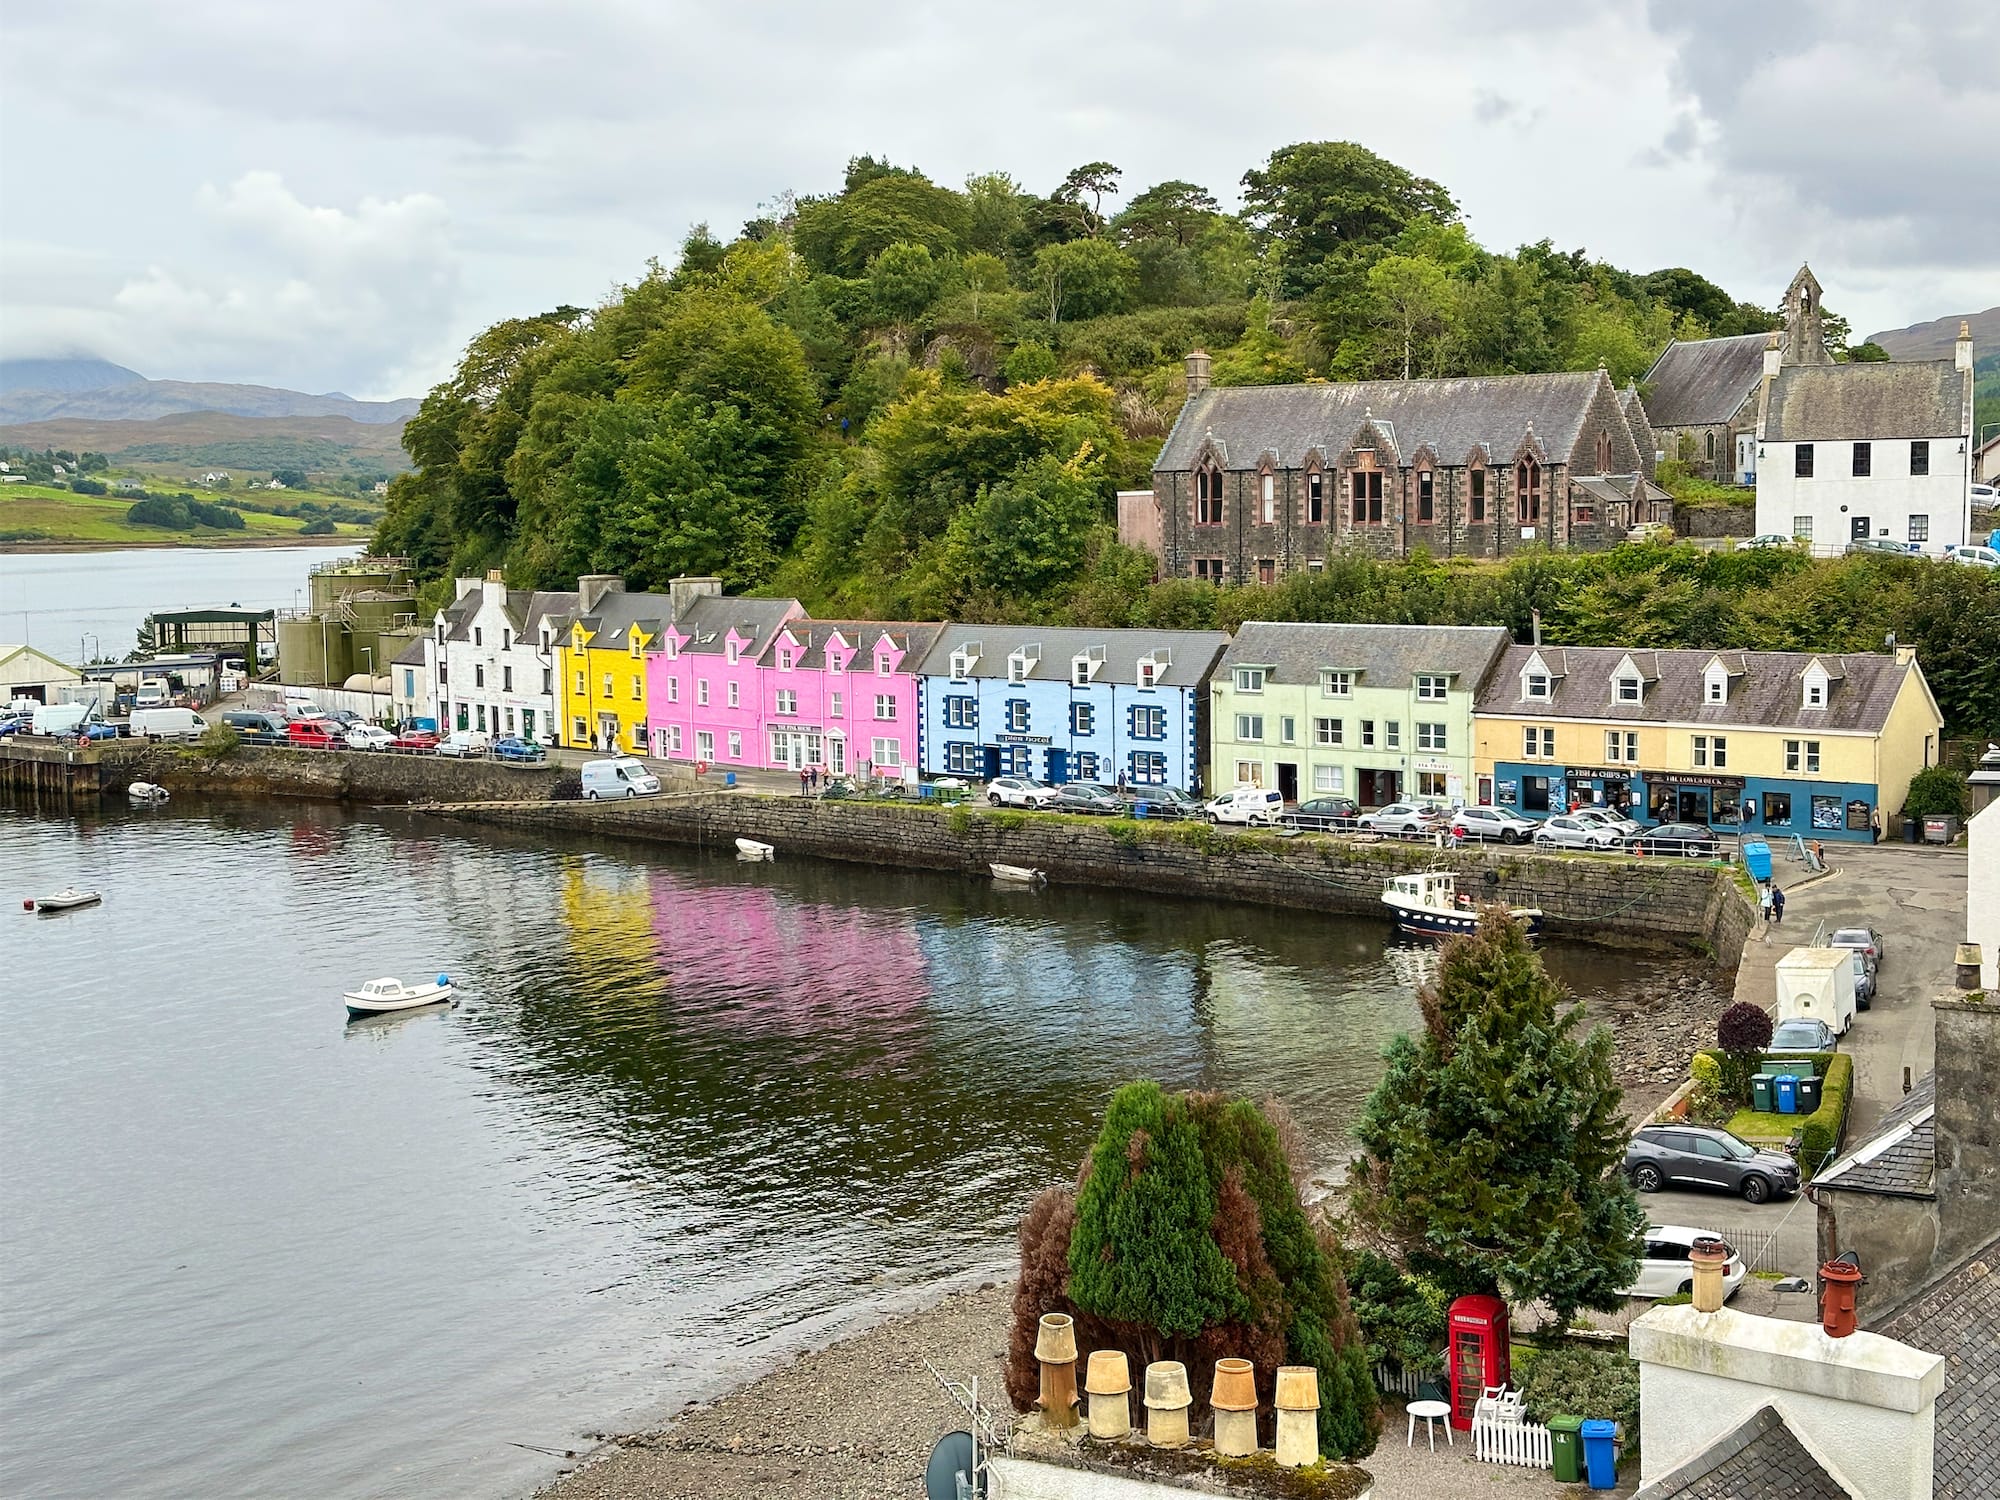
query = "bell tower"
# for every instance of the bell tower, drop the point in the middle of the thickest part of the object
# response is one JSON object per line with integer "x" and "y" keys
{"x": 1804, "y": 343}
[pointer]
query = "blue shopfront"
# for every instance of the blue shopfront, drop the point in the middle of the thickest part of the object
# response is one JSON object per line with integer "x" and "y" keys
{"x": 1783, "y": 806}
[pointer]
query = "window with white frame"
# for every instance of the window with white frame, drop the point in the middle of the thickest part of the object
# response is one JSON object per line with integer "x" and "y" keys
{"x": 1815, "y": 690}
{"x": 1622, "y": 745}
{"x": 1537, "y": 743}
{"x": 1535, "y": 685}
{"x": 1392, "y": 734}
{"x": 1430, "y": 784}
{"x": 736, "y": 744}
{"x": 1802, "y": 755}
{"x": 1327, "y": 731}
{"x": 580, "y": 731}
{"x": 1327, "y": 779}
{"x": 735, "y": 696}
{"x": 961, "y": 712}
{"x": 1630, "y": 689}
{"x": 701, "y": 691}
{"x": 1249, "y": 679}
{"x": 1017, "y": 715}
{"x": 704, "y": 745}
{"x": 1082, "y": 719}
{"x": 732, "y": 652}
{"x": 885, "y": 665}
{"x": 1920, "y": 528}
{"x": 1432, "y": 688}
{"x": 964, "y": 759}
{"x": 1250, "y": 727}
{"x": 1268, "y": 501}
{"x": 1149, "y": 723}
{"x": 1249, "y": 773}
{"x": 1149, "y": 768}
{"x": 787, "y": 703}
{"x": 632, "y": 646}
{"x": 1802, "y": 527}
{"x": 607, "y": 685}
{"x": 961, "y": 664}
{"x": 1288, "y": 730}
{"x": 1336, "y": 684}
{"x": 834, "y": 708}
{"x": 784, "y": 660}
{"x": 885, "y": 705}
{"x": 673, "y": 690}
{"x": 1367, "y": 734}
{"x": 1149, "y": 671}
{"x": 886, "y": 752}
{"x": 1718, "y": 687}
{"x": 638, "y": 688}
{"x": 1085, "y": 765}
{"x": 673, "y": 737}
{"x": 1711, "y": 750}
{"x": 1430, "y": 736}
{"x": 836, "y": 665}
{"x": 579, "y": 680}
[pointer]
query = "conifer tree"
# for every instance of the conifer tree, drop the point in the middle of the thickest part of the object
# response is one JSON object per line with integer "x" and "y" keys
{"x": 1492, "y": 1149}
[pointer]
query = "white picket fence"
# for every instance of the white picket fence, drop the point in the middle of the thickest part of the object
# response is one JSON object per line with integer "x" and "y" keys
{"x": 1502, "y": 1442}
{"x": 1400, "y": 1382}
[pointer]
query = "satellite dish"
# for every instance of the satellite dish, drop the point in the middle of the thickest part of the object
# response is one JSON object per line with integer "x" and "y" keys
{"x": 948, "y": 1476}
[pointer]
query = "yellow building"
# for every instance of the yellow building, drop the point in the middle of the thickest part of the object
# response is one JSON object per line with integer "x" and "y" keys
{"x": 603, "y": 666}
{"x": 1777, "y": 742}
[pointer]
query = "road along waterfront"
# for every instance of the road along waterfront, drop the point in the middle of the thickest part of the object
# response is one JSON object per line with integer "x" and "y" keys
{"x": 698, "y": 1116}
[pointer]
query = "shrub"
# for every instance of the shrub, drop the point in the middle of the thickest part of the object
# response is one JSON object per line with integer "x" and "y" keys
{"x": 1402, "y": 1317}
{"x": 218, "y": 740}
{"x": 1935, "y": 791}
{"x": 1744, "y": 1031}
{"x": 321, "y": 527}
{"x": 1819, "y": 1132}
{"x": 1574, "y": 1381}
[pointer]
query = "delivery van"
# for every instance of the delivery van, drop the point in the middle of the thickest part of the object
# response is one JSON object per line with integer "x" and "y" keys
{"x": 1817, "y": 984}
{"x": 619, "y": 777}
{"x": 1248, "y": 805}
{"x": 167, "y": 724}
{"x": 60, "y": 718}
{"x": 153, "y": 693}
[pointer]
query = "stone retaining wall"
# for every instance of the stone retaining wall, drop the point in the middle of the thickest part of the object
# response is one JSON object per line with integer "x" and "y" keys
{"x": 344, "y": 775}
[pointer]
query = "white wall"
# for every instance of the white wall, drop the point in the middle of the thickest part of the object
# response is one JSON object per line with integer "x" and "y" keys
{"x": 1982, "y": 892}
{"x": 1888, "y": 497}
{"x": 1025, "y": 1479}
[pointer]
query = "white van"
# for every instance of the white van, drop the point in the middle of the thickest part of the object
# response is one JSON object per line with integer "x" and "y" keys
{"x": 1817, "y": 984}
{"x": 622, "y": 777}
{"x": 153, "y": 693}
{"x": 60, "y": 718}
{"x": 1247, "y": 805}
{"x": 167, "y": 724}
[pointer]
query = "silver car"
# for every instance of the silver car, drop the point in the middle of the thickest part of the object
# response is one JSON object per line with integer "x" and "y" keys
{"x": 1604, "y": 817}
{"x": 1566, "y": 831}
{"x": 1495, "y": 823}
{"x": 1402, "y": 817}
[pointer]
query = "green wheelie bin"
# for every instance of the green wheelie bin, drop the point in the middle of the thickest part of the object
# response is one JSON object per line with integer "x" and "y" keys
{"x": 1566, "y": 1447}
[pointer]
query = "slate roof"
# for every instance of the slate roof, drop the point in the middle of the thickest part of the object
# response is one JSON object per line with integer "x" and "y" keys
{"x": 1898, "y": 1158}
{"x": 1488, "y": 414}
{"x": 1615, "y": 488}
{"x": 411, "y": 655}
{"x": 1639, "y": 419}
{"x": 1387, "y": 656}
{"x": 1839, "y": 403}
{"x": 1768, "y": 695}
{"x": 618, "y": 611}
{"x": 1194, "y": 652}
{"x": 1703, "y": 381}
{"x": 1957, "y": 1318}
{"x": 912, "y": 639}
{"x": 544, "y": 606}
{"x": 707, "y": 622}
{"x": 1761, "y": 1460}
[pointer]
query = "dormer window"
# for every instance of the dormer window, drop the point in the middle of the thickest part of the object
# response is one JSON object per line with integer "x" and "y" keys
{"x": 1630, "y": 689}
{"x": 784, "y": 661}
{"x": 962, "y": 663}
{"x": 1535, "y": 685}
{"x": 440, "y": 631}
{"x": 1249, "y": 679}
{"x": 732, "y": 652}
{"x": 1336, "y": 684}
{"x": 1149, "y": 671}
{"x": 543, "y": 638}
{"x": 673, "y": 649}
{"x": 633, "y": 645}
{"x": 884, "y": 665}
{"x": 1432, "y": 687}
{"x": 836, "y": 666}
{"x": 1022, "y": 662}
{"x": 1718, "y": 687}
{"x": 1815, "y": 693}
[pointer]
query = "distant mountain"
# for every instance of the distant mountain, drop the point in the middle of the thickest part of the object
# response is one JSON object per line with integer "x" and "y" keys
{"x": 65, "y": 375}
{"x": 189, "y": 442}
{"x": 1934, "y": 340}
{"x": 142, "y": 400}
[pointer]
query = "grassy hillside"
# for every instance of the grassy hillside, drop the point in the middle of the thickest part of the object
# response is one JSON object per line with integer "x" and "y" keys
{"x": 38, "y": 513}
{"x": 184, "y": 445}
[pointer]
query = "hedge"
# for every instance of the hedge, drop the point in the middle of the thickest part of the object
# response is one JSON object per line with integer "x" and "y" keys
{"x": 1819, "y": 1132}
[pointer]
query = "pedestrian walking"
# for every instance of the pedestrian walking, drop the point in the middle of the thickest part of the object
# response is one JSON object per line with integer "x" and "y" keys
{"x": 1764, "y": 903}
{"x": 1777, "y": 906}
{"x": 812, "y": 778}
{"x": 1875, "y": 827}
{"x": 804, "y": 785}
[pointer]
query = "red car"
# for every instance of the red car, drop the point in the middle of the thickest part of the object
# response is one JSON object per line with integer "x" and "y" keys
{"x": 415, "y": 739}
{"x": 312, "y": 734}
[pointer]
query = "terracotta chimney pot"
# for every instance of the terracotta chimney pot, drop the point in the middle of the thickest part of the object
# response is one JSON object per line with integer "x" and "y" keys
{"x": 1055, "y": 1340}
{"x": 1837, "y": 1281}
{"x": 1167, "y": 1401}
{"x": 1055, "y": 1348}
{"x": 1297, "y": 1400}
{"x": 1708, "y": 1257}
{"x": 1108, "y": 1380}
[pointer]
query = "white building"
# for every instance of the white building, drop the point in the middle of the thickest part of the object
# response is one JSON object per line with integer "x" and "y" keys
{"x": 413, "y": 680}
{"x": 494, "y": 659}
{"x": 1875, "y": 450}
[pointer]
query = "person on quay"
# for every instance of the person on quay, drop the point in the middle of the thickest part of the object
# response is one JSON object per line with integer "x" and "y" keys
{"x": 1777, "y": 907}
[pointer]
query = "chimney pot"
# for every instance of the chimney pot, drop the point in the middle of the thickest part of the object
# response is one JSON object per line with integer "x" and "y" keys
{"x": 1708, "y": 1258}
{"x": 1167, "y": 1403}
{"x": 1055, "y": 1348}
{"x": 1108, "y": 1380}
{"x": 1837, "y": 1281}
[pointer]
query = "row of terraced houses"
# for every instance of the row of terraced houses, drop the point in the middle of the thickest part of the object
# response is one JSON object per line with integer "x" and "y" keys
{"x": 1816, "y": 744}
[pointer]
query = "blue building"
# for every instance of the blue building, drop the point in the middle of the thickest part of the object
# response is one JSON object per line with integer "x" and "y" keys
{"x": 1067, "y": 704}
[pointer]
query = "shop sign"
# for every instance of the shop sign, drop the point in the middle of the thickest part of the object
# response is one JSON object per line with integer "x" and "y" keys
{"x": 1606, "y": 773}
{"x": 1020, "y": 739}
{"x": 1690, "y": 779}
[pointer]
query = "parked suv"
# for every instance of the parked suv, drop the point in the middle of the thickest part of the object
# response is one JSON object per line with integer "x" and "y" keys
{"x": 1324, "y": 813}
{"x": 1702, "y": 1156}
{"x": 1019, "y": 791}
{"x": 254, "y": 723}
{"x": 1493, "y": 823}
{"x": 1087, "y": 797}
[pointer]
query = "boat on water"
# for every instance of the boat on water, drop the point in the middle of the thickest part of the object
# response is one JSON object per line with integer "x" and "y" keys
{"x": 147, "y": 793}
{"x": 1016, "y": 874}
{"x": 1431, "y": 905}
{"x": 751, "y": 849}
{"x": 381, "y": 997}
{"x": 67, "y": 899}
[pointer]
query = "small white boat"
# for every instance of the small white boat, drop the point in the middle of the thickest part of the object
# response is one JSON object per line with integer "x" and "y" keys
{"x": 1431, "y": 905}
{"x": 751, "y": 849}
{"x": 381, "y": 997}
{"x": 69, "y": 898}
{"x": 1017, "y": 874}
{"x": 151, "y": 793}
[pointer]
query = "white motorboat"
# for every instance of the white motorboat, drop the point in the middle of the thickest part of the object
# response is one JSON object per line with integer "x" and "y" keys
{"x": 751, "y": 849}
{"x": 1431, "y": 905}
{"x": 69, "y": 898}
{"x": 1016, "y": 874}
{"x": 381, "y": 997}
{"x": 150, "y": 793}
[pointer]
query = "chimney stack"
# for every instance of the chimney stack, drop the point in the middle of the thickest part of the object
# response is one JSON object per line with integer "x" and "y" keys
{"x": 684, "y": 591}
{"x": 1962, "y": 351}
{"x": 591, "y": 589}
{"x": 1055, "y": 1350}
{"x": 1774, "y": 357}
{"x": 1197, "y": 371}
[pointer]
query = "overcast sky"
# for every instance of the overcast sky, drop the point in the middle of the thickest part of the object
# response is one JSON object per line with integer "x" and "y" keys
{"x": 339, "y": 196}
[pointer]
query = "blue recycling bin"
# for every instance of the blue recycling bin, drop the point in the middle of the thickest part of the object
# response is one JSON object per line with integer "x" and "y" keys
{"x": 1141, "y": 810}
{"x": 1600, "y": 1462}
{"x": 729, "y": 778}
{"x": 1786, "y": 1086}
{"x": 1757, "y": 859}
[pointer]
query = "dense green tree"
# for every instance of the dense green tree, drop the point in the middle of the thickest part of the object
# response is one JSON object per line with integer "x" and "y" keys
{"x": 1083, "y": 279}
{"x": 1174, "y": 211}
{"x": 1329, "y": 201}
{"x": 904, "y": 280}
{"x": 1492, "y": 1150}
{"x": 1028, "y": 534}
{"x": 842, "y": 235}
{"x": 995, "y": 209}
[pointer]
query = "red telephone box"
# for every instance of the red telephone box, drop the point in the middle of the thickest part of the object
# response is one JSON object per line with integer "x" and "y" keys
{"x": 1477, "y": 1329}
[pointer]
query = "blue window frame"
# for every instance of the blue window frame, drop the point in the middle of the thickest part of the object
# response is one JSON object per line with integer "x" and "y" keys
{"x": 1149, "y": 723}
{"x": 1017, "y": 760}
{"x": 1085, "y": 766}
{"x": 1017, "y": 717}
{"x": 1149, "y": 768}
{"x": 961, "y": 757}
{"x": 1082, "y": 719}
{"x": 961, "y": 712}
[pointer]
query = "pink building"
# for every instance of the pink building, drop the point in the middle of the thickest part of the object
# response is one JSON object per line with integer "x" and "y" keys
{"x": 704, "y": 690}
{"x": 842, "y": 695}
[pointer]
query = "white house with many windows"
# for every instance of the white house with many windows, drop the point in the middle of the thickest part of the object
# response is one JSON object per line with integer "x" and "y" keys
{"x": 493, "y": 658}
{"x": 1878, "y": 451}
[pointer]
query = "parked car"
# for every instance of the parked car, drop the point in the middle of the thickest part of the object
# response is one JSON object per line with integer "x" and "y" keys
{"x": 1323, "y": 813}
{"x": 1703, "y": 1156}
{"x": 1087, "y": 797}
{"x": 1165, "y": 801}
{"x": 256, "y": 724}
{"x": 312, "y": 734}
{"x": 1650, "y": 531}
{"x": 98, "y": 732}
{"x": 1567, "y": 831}
{"x": 369, "y": 737}
{"x": 1495, "y": 823}
{"x": 1803, "y": 1034}
{"x": 13, "y": 723}
{"x": 1605, "y": 817}
{"x": 1865, "y": 940}
{"x": 1763, "y": 541}
{"x": 1976, "y": 557}
{"x": 1695, "y": 840}
{"x": 1664, "y": 1270}
{"x": 1879, "y": 544}
{"x": 1248, "y": 805}
{"x": 1985, "y": 495}
{"x": 464, "y": 744}
{"x": 346, "y": 717}
{"x": 1864, "y": 981}
{"x": 1019, "y": 791}
{"x": 517, "y": 751}
{"x": 1403, "y": 818}
{"x": 416, "y": 739}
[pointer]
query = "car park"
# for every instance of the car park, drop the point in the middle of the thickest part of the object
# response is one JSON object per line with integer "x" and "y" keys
{"x": 256, "y": 724}
{"x": 312, "y": 734}
{"x": 1764, "y": 542}
{"x": 13, "y": 723}
{"x": 1694, "y": 840}
{"x": 1803, "y": 1034}
{"x": 1087, "y": 797}
{"x": 1323, "y": 814}
{"x": 1863, "y": 940}
{"x": 1019, "y": 791}
{"x": 1975, "y": 557}
{"x": 1248, "y": 805}
{"x": 517, "y": 751}
{"x": 1565, "y": 831}
{"x": 1879, "y": 544}
{"x": 1495, "y": 824}
{"x": 425, "y": 740}
{"x": 1405, "y": 818}
{"x": 1665, "y": 1266}
{"x": 464, "y": 744}
{"x": 368, "y": 737}
{"x": 1702, "y": 1156}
